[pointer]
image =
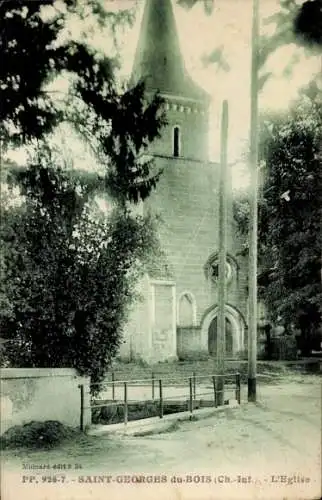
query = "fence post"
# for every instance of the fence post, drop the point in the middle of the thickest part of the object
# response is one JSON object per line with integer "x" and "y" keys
{"x": 194, "y": 386}
{"x": 82, "y": 401}
{"x": 153, "y": 380}
{"x": 161, "y": 399}
{"x": 190, "y": 395}
{"x": 125, "y": 404}
{"x": 113, "y": 386}
{"x": 238, "y": 387}
{"x": 214, "y": 382}
{"x": 220, "y": 390}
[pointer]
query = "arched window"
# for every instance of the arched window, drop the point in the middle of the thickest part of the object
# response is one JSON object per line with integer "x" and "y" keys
{"x": 176, "y": 141}
{"x": 186, "y": 315}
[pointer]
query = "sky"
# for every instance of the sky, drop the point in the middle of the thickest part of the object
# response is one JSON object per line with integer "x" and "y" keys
{"x": 228, "y": 27}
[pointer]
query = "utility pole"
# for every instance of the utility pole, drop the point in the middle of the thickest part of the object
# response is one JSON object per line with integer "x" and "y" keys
{"x": 253, "y": 221}
{"x": 221, "y": 322}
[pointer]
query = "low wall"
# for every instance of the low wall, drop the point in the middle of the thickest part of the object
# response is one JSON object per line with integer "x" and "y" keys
{"x": 42, "y": 394}
{"x": 189, "y": 343}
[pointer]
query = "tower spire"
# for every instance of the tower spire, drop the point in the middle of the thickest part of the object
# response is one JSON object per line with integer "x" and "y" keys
{"x": 158, "y": 60}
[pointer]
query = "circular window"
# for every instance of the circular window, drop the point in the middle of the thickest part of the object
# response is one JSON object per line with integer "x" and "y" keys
{"x": 214, "y": 271}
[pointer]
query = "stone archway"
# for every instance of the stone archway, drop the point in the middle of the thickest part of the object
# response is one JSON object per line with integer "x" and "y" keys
{"x": 212, "y": 337}
{"x": 235, "y": 328}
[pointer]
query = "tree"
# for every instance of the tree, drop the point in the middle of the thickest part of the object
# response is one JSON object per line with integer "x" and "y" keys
{"x": 35, "y": 49}
{"x": 308, "y": 23}
{"x": 67, "y": 279}
{"x": 208, "y": 4}
{"x": 119, "y": 123}
{"x": 290, "y": 215}
{"x": 68, "y": 273}
{"x": 289, "y": 238}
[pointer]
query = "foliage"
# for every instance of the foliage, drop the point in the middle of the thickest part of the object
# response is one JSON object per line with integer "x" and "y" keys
{"x": 295, "y": 22}
{"x": 119, "y": 125}
{"x": 286, "y": 32}
{"x": 308, "y": 23}
{"x": 37, "y": 435}
{"x": 289, "y": 216}
{"x": 207, "y": 4}
{"x": 119, "y": 130}
{"x": 33, "y": 36}
{"x": 290, "y": 230}
{"x": 283, "y": 348}
{"x": 293, "y": 25}
{"x": 216, "y": 56}
{"x": 68, "y": 276}
{"x": 241, "y": 213}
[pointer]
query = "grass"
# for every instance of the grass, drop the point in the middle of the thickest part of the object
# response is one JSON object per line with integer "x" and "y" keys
{"x": 178, "y": 372}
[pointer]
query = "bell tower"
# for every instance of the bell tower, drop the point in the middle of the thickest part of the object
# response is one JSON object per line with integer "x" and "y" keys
{"x": 177, "y": 316}
{"x": 160, "y": 64}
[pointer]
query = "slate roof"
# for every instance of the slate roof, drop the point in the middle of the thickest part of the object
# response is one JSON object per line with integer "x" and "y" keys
{"x": 158, "y": 58}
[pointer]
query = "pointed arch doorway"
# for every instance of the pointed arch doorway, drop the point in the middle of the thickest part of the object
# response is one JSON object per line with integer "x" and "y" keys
{"x": 235, "y": 330}
{"x": 213, "y": 334}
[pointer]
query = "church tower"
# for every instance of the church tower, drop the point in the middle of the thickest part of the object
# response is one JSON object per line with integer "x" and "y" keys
{"x": 159, "y": 62}
{"x": 178, "y": 315}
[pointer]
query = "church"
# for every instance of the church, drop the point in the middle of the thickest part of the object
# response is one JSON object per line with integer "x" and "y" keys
{"x": 176, "y": 317}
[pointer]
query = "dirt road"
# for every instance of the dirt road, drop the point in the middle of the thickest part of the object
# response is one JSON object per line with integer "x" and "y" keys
{"x": 268, "y": 450}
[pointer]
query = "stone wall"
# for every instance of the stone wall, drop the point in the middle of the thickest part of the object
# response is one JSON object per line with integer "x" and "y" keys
{"x": 189, "y": 343}
{"x": 187, "y": 201}
{"x": 193, "y": 124}
{"x": 164, "y": 342}
{"x": 150, "y": 333}
{"x": 42, "y": 394}
{"x": 136, "y": 339}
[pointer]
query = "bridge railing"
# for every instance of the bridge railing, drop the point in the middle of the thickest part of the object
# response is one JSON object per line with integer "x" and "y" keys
{"x": 124, "y": 400}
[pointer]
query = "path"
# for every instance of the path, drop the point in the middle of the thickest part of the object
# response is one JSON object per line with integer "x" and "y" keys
{"x": 274, "y": 441}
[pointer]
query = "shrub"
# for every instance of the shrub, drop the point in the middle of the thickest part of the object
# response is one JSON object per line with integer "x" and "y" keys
{"x": 284, "y": 348}
{"x": 69, "y": 272}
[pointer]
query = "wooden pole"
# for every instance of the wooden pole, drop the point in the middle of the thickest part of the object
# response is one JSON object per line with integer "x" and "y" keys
{"x": 221, "y": 324}
{"x": 126, "y": 407}
{"x": 194, "y": 385}
{"x": 190, "y": 395}
{"x": 82, "y": 405}
{"x": 214, "y": 382}
{"x": 238, "y": 385}
{"x": 113, "y": 386}
{"x": 253, "y": 225}
{"x": 160, "y": 399}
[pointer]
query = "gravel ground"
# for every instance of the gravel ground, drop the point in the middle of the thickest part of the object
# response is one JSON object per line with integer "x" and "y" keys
{"x": 271, "y": 449}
